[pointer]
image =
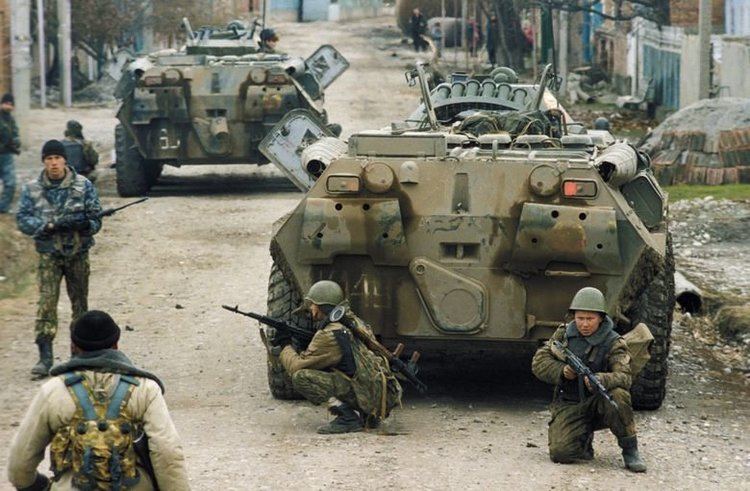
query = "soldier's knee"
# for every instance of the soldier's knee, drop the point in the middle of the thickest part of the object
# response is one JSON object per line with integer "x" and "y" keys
{"x": 562, "y": 453}
{"x": 621, "y": 396}
{"x": 301, "y": 378}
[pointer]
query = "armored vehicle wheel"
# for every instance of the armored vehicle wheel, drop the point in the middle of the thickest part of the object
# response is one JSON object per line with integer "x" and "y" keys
{"x": 132, "y": 176}
{"x": 283, "y": 298}
{"x": 655, "y": 308}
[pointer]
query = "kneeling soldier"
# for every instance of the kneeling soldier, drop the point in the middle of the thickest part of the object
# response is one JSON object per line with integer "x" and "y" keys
{"x": 106, "y": 421}
{"x": 338, "y": 369}
{"x": 576, "y": 411}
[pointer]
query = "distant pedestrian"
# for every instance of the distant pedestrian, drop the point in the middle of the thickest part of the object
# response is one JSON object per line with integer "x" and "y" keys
{"x": 10, "y": 144}
{"x": 417, "y": 27}
{"x": 436, "y": 33}
{"x": 492, "y": 40}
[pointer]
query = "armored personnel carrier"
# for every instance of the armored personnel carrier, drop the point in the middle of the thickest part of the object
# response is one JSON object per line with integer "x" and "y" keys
{"x": 211, "y": 102}
{"x": 469, "y": 226}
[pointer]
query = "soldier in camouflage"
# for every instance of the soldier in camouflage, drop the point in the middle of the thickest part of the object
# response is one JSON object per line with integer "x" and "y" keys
{"x": 81, "y": 154}
{"x": 576, "y": 410}
{"x": 338, "y": 369}
{"x": 59, "y": 210}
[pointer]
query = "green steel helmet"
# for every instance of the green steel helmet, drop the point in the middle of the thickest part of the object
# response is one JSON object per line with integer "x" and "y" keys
{"x": 74, "y": 128}
{"x": 325, "y": 292}
{"x": 589, "y": 299}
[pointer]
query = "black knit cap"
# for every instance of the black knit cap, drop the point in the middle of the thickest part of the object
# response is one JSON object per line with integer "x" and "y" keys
{"x": 7, "y": 97}
{"x": 53, "y": 147}
{"x": 94, "y": 330}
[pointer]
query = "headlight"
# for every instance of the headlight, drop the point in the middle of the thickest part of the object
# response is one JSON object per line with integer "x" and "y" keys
{"x": 258, "y": 75}
{"x": 579, "y": 188}
{"x": 340, "y": 184}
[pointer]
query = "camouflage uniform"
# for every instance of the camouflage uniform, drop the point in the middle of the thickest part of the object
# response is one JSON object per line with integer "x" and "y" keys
{"x": 338, "y": 365}
{"x": 61, "y": 254}
{"x": 573, "y": 420}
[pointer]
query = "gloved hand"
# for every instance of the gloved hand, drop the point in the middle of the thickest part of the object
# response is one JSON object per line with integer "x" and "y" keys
{"x": 70, "y": 223}
{"x": 279, "y": 338}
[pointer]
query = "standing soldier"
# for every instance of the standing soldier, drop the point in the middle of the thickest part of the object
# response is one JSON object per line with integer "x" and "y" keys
{"x": 81, "y": 155}
{"x": 106, "y": 421}
{"x": 59, "y": 210}
{"x": 417, "y": 26}
{"x": 337, "y": 368}
{"x": 9, "y": 145}
{"x": 576, "y": 411}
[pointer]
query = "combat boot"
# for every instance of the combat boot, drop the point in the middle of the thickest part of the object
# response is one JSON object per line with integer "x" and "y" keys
{"x": 630, "y": 455}
{"x": 41, "y": 369}
{"x": 588, "y": 454}
{"x": 347, "y": 420}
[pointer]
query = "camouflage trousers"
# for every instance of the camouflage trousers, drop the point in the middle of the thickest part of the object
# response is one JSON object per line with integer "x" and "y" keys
{"x": 52, "y": 269}
{"x": 573, "y": 424}
{"x": 318, "y": 386}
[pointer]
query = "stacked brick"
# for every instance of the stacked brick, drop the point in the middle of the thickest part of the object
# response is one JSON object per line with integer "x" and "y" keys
{"x": 692, "y": 157}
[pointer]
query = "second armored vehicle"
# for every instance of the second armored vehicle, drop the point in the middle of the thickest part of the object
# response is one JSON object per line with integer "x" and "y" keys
{"x": 212, "y": 102}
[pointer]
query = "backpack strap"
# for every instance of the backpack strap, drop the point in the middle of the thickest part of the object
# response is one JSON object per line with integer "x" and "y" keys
{"x": 75, "y": 382}
{"x": 124, "y": 384}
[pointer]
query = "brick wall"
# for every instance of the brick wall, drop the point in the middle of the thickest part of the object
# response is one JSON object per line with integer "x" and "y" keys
{"x": 684, "y": 13}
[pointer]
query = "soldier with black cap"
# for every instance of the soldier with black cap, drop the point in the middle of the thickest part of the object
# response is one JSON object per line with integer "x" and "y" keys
{"x": 577, "y": 411}
{"x": 96, "y": 414}
{"x": 59, "y": 210}
{"x": 81, "y": 154}
{"x": 10, "y": 144}
{"x": 268, "y": 40}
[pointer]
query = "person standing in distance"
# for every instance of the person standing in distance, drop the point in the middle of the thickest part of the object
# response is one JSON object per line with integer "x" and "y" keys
{"x": 10, "y": 145}
{"x": 59, "y": 210}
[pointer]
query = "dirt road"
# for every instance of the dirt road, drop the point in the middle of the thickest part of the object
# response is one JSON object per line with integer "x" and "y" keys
{"x": 163, "y": 269}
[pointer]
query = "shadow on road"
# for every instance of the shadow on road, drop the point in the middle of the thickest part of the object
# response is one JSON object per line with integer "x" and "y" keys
{"x": 485, "y": 382}
{"x": 220, "y": 184}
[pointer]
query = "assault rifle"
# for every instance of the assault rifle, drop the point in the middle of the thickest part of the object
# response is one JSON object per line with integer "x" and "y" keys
{"x": 111, "y": 211}
{"x": 302, "y": 334}
{"x": 584, "y": 371}
{"x": 143, "y": 455}
{"x": 408, "y": 369}
{"x": 79, "y": 221}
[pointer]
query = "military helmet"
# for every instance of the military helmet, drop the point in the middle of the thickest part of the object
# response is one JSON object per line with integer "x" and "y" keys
{"x": 325, "y": 292}
{"x": 268, "y": 34}
{"x": 589, "y": 299}
{"x": 601, "y": 123}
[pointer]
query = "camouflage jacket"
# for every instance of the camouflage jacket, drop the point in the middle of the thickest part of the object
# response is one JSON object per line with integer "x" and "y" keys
{"x": 52, "y": 410}
{"x": 322, "y": 353}
{"x": 43, "y": 201}
{"x": 9, "y": 140}
{"x": 548, "y": 363}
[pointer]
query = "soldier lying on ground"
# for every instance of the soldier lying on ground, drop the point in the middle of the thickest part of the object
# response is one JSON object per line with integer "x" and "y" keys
{"x": 91, "y": 414}
{"x": 337, "y": 368}
{"x": 576, "y": 410}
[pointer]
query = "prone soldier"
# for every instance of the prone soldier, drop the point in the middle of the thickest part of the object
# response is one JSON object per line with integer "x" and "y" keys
{"x": 337, "y": 368}
{"x": 105, "y": 420}
{"x": 577, "y": 410}
{"x": 59, "y": 209}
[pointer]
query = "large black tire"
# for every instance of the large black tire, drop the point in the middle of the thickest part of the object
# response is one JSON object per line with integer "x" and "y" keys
{"x": 655, "y": 307}
{"x": 283, "y": 298}
{"x": 132, "y": 174}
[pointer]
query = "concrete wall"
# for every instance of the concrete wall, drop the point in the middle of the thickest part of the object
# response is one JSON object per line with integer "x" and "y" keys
{"x": 5, "y": 68}
{"x": 733, "y": 77}
{"x": 737, "y": 17}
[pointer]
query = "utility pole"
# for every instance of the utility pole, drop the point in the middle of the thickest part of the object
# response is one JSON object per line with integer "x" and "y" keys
{"x": 20, "y": 45}
{"x": 42, "y": 50}
{"x": 65, "y": 56}
{"x": 704, "y": 41}
{"x": 464, "y": 42}
{"x": 563, "y": 65}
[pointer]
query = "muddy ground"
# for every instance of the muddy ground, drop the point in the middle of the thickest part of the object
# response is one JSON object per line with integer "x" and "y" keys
{"x": 163, "y": 269}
